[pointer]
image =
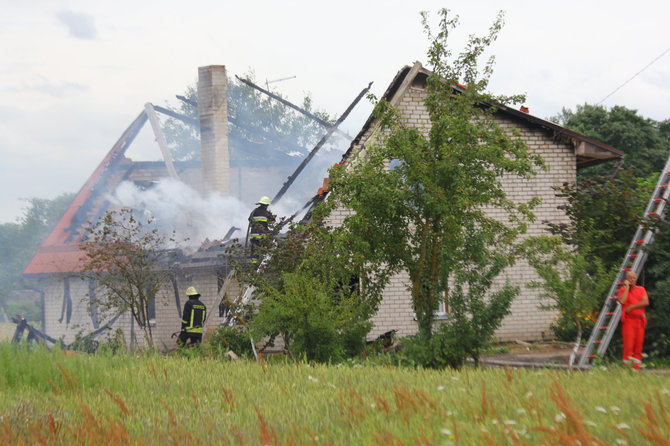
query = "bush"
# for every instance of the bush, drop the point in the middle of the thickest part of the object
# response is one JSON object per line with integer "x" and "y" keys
{"x": 565, "y": 329}
{"x": 443, "y": 349}
{"x": 317, "y": 320}
{"x": 83, "y": 343}
{"x": 353, "y": 338}
{"x": 657, "y": 342}
{"x": 235, "y": 339}
{"x": 658, "y": 347}
{"x": 115, "y": 344}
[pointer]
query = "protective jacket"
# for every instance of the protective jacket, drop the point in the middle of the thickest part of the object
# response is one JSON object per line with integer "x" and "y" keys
{"x": 195, "y": 313}
{"x": 259, "y": 222}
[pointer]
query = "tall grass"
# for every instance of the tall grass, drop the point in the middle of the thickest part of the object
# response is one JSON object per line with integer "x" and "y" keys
{"x": 53, "y": 398}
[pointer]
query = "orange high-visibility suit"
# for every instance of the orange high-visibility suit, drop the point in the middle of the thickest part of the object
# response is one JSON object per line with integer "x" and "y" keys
{"x": 633, "y": 324}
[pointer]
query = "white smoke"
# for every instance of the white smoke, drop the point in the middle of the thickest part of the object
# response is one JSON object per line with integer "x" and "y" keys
{"x": 176, "y": 206}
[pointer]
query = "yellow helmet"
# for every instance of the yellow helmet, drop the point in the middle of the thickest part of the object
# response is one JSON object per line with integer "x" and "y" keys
{"x": 264, "y": 200}
{"x": 191, "y": 291}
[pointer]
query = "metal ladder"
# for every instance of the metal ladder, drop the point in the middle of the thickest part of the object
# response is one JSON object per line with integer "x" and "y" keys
{"x": 243, "y": 298}
{"x": 634, "y": 261}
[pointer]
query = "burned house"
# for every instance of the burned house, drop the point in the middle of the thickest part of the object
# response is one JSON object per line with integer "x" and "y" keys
{"x": 238, "y": 161}
{"x": 563, "y": 151}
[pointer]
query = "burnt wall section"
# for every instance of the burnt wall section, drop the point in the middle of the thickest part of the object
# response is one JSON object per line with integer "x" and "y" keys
{"x": 213, "y": 111}
{"x": 75, "y": 294}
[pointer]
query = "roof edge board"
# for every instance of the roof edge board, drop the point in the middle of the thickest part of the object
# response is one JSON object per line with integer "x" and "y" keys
{"x": 406, "y": 83}
{"x": 59, "y": 235}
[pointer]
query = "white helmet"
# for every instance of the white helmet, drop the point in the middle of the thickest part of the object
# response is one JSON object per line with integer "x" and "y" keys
{"x": 264, "y": 200}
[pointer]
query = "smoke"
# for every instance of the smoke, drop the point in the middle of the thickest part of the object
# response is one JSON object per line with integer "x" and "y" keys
{"x": 176, "y": 206}
{"x": 311, "y": 178}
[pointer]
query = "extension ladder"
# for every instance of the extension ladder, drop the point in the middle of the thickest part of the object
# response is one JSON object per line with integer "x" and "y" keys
{"x": 242, "y": 299}
{"x": 634, "y": 261}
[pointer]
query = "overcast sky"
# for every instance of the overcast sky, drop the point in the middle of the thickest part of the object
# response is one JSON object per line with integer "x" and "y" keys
{"x": 74, "y": 74}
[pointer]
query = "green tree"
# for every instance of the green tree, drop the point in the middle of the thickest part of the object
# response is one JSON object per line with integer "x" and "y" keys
{"x": 129, "y": 259}
{"x": 184, "y": 139}
{"x": 573, "y": 283}
{"x": 645, "y": 142}
{"x": 604, "y": 213}
{"x": 19, "y": 241}
{"x": 419, "y": 199}
{"x": 657, "y": 280}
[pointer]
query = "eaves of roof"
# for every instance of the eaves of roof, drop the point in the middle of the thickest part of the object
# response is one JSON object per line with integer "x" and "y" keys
{"x": 589, "y": 151}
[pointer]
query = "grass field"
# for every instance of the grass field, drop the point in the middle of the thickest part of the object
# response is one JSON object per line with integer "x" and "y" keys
{"x": 7, "y": 330}
{"x": 56, "y": 398}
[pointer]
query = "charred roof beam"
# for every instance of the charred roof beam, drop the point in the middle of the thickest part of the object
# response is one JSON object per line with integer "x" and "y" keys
{"x": 183, "y": 118}
{"x": 160, "y": 140}
{"x": 325, "y": 124}
{"x": 187, "y": 100}
{"x": 320, "y": 144}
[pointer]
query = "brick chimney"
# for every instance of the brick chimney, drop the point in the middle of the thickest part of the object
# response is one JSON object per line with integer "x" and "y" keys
{"x": 213, "y": 110}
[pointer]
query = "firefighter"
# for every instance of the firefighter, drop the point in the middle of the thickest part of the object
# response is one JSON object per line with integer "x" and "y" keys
{"x": 633, "y": 299}
{"x": 259, "y": 226}
{"x": 193, "y": 318}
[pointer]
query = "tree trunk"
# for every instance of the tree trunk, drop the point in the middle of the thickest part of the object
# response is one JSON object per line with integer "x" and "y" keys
{"x": 422, "y": 290}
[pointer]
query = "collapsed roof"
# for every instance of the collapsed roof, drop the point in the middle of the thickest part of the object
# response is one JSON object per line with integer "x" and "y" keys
{"x": 251, "y": 147}
{"x": 60, "y": 251}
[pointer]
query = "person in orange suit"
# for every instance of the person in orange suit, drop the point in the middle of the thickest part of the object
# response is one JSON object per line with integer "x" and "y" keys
{"x": 634, "y": 300}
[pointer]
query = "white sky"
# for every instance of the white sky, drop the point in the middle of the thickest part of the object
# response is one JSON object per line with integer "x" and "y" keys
{"x": 74, "y": 74}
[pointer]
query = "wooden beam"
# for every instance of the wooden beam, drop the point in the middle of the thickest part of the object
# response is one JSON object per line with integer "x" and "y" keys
{"x": 320, "y": 144}
{"x": 325, "y": 124}
{"x": 160, "y": 139}
{"x": 586, "y": 149}
{"x": 187, "y": 101}
{"x": 183, "y": 118}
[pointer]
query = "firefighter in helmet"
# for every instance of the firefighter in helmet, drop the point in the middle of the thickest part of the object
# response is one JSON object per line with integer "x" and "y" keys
{"x": 193, "y": 318}
{"x": 259, "y": 226}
